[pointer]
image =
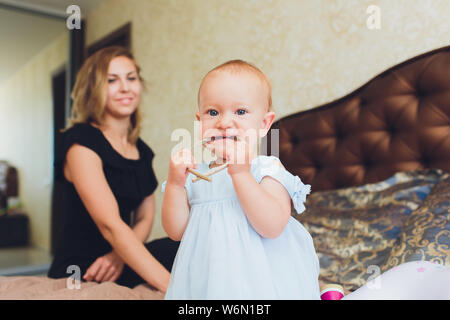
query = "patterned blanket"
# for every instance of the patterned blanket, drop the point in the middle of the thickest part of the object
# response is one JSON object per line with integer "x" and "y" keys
{"x": 363, "y": 231}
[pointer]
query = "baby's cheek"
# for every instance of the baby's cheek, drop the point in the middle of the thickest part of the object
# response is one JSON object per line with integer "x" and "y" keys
{"x": 206, "y": 130}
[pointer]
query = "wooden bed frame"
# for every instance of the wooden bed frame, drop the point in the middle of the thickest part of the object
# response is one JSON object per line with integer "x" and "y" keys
{"x": 398, "y": 121}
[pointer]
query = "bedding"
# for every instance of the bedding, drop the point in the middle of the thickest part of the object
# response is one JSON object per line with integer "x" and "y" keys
{"x": 377, "y": 160}
{"x": 43, "y": 288}
{"x": 426, "y": 233}
{"x": 360, "y": 232}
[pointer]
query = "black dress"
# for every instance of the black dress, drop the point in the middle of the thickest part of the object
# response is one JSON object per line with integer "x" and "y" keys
{"x": 130, "y": 180}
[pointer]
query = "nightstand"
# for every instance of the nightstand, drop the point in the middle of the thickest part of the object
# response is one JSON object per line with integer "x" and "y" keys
{"x": 14, "y": 229}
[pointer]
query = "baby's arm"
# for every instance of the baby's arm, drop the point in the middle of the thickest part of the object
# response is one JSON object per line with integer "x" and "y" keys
{"x": 175, "y": 206}
{"x": 267, "y": 204}
{"x": 175, "y": 211}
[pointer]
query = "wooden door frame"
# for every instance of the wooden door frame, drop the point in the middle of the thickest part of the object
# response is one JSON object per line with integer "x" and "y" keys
{"x": 120, "y": 36}
{"x": 59, "y": 122}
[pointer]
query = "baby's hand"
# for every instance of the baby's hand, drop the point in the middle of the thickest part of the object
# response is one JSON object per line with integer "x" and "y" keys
{"x": 240, "y": 159}
{"x": 180, "y": 162}
{"x": 237, "y": 153}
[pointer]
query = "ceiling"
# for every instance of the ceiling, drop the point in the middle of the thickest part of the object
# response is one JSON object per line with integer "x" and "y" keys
{"x": 28, "y": 26}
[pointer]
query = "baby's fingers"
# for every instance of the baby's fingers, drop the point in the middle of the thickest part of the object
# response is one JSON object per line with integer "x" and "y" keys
{"x": 183, "y": 157}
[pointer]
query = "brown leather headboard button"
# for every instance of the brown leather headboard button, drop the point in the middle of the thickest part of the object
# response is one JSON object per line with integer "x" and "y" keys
{"x": 398, "y": 121}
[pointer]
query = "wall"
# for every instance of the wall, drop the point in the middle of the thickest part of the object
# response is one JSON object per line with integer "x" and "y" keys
{"x": 26, "y": 131}
{"x": 313, "y": 51}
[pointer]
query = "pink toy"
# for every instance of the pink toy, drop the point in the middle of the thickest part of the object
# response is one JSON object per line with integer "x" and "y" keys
{"x": 332, "y": 292}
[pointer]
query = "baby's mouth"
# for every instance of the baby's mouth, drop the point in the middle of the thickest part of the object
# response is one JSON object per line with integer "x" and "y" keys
{"x": 216, "y": 138}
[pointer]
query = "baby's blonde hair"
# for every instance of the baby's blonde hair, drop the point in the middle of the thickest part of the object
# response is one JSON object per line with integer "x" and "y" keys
{"x": 90, "y": 90}
{"x": 239, "y": 66}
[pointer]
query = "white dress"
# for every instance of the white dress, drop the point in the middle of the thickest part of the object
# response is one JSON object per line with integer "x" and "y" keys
{"x": 221, "y": 256}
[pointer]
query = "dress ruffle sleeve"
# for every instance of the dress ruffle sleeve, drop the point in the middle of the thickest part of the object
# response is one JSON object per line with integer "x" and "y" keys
{"x": 271, "y": 166}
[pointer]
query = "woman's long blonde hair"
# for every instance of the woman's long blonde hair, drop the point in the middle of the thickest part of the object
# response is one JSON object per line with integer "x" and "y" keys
{"x": 90, "y": 90}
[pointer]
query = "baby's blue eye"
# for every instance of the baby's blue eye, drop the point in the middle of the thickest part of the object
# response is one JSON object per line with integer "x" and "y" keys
{"x": 241, "y": 112}
{"x": 213, "y": 112}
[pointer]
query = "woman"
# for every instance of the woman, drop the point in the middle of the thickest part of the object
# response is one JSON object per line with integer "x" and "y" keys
{"x": 107, "y": 173}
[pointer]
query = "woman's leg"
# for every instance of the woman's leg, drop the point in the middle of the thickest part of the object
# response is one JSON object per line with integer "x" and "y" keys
{"x": 417, "y": 280}
{"x": 164, "y": 250}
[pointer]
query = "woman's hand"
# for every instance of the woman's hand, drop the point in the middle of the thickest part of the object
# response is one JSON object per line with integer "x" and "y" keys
{"x": 106, "y": 268}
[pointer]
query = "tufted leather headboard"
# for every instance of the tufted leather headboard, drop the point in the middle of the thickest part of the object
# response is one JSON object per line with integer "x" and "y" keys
{"x": 398, "y": 121}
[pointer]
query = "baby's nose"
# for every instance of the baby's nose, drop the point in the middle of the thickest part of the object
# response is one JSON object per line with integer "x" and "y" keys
{"x": 225, "y": 121}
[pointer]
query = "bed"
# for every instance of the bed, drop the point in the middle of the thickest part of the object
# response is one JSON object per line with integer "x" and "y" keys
{"x": 43, "y": 288}
{"x": 378, "y": 162}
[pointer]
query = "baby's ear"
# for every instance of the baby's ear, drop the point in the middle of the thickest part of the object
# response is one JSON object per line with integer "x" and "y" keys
{"x": 267, "y": 123}
{"x": 197, "y": 115}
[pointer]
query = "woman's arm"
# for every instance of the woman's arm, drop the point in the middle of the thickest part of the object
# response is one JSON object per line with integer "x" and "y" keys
{"x": 84, "y": 168}
{"x": 267, "y": 205}
{"x": 109, "y": 267}
{"x": 145, "y": 215}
